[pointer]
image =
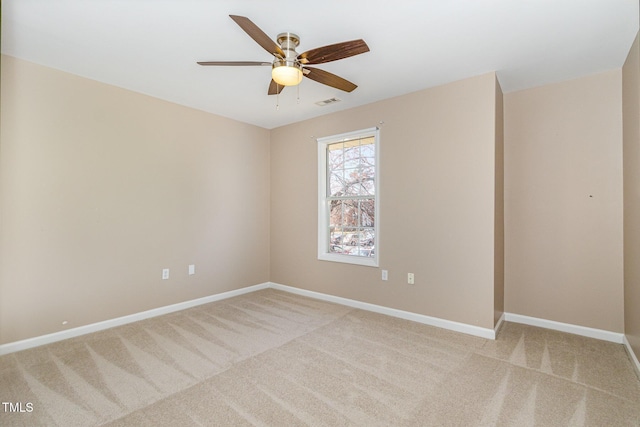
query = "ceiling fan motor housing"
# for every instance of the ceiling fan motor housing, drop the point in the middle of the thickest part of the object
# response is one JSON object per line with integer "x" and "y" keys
{"x": 288, "y": 43}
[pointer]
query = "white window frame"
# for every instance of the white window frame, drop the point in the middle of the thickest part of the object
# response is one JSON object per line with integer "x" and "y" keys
{"x": 323, "y": 205}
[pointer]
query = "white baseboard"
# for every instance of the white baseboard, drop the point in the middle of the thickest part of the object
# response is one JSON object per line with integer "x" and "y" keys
{"x": 566, "y": 327}
{"x": 407, "y": 315}
{"x": 632, "y": 355}
{"x": 419, "y": 318}
{"x": 99, "y": 326}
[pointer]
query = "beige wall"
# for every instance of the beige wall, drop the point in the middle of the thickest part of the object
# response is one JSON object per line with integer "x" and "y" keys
{"x": 563, "y": 202}
{"x": 498, "y": 291}
{"x": 631, "y": 152}
{"x": 101, "y": 188}
{"x": 437, "y": 193}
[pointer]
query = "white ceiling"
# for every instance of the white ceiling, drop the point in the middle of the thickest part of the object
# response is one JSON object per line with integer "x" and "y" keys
{"x": 151, "y": 46}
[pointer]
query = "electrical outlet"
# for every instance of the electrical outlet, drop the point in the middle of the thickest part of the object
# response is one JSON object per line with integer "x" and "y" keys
{"x": 385, "y": 275}
{"x": 165, "y": 273}
{"x": 411, "y": 279}
{"x": 192, "y": 269}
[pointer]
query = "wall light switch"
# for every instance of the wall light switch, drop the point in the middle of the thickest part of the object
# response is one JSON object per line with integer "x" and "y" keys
{"x": 192, "y": 269}
{"x": 385, "y": 275}
{"x": 165, "y": 273}
{"x": 411, "y": 279}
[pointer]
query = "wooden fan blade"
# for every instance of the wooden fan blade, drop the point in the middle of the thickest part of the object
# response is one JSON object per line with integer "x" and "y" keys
{"x": 329, "y": 79}
{"x": 333, "y": 52}
{"x": 258, "y": 35}
{"x": 275, "y": 88}
{"x": 233, "y": 63}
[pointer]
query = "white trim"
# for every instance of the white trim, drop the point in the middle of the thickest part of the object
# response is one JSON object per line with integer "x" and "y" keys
{"x": 632, "y": 355}
{"x": 99, "y": 326}
{"x": 566, "y": 327}
{"x": 419, "y": 318}
{"x": 347, "y": 259}
{"x": 347, "y": 135}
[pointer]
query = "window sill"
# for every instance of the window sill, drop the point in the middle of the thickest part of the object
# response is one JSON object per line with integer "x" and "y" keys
{"x": 348, "y": 259}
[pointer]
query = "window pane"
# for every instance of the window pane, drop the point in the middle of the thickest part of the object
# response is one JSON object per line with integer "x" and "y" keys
{"x": 367, "y": 213}
{"x": 351, "y": 182}
{"x": 335, "y": 240}
{"x": 335, "y": 213}
{"x": 335, "y": 155}
{"x": 351, "y": 157}
{"x": 350, "y": 239}
{"x": 367, "y": 238}
{"x": 368, "y": 153}
{"x": 336, "y": 184}
{"x": 357, "y": 182}
{"x": 350, "y": 212}
{"x": 361, "y": 243}
{"x": 336, "y": 249}
{"x": 367, "y": 181}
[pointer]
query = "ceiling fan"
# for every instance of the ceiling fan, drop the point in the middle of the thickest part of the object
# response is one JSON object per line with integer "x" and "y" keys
{"x": 288, "y": 67}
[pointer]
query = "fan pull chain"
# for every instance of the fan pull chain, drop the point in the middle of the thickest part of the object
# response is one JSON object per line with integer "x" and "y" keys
{"x": 277, "y": 98}
{"x": 298, "y": 87}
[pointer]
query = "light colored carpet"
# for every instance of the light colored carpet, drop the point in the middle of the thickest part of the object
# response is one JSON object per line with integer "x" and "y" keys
{"x": 278, "y": 359}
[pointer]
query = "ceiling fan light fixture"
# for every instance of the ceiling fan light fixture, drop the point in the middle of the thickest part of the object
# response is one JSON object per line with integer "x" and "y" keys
{"x": 286, "y": 74}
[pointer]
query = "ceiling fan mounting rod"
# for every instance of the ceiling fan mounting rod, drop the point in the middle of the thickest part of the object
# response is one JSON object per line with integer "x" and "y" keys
{"x": 288, "y": 43}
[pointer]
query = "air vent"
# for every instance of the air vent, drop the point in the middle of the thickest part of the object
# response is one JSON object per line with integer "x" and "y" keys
{"x": 328, "y": 101}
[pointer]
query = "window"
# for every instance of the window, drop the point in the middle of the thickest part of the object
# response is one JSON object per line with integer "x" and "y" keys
{"x": 348, "y": 197}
